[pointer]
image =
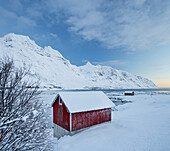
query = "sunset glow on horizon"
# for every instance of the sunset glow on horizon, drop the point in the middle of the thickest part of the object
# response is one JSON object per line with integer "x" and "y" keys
{"x": 163, "y": 85}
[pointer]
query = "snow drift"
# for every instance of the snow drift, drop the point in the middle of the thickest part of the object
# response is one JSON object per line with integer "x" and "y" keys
{"x": 51, "y": 68}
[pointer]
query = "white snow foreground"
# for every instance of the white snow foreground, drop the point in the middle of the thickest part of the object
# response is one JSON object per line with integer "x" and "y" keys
{"x": 143, "y": 125}
{"x": 51, "y": 68}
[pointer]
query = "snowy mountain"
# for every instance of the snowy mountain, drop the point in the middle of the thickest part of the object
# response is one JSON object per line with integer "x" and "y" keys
{"x": 51, "y": 68}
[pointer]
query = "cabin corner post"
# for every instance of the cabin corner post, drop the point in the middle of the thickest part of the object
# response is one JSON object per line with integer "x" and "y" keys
{"x": 70, "y": 122}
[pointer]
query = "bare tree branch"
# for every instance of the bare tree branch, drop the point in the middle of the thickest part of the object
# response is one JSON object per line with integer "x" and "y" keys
{"x": 21, "y": 114}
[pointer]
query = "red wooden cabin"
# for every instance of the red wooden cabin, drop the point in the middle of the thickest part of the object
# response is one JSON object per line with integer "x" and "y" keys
{"x": 131, "y": 93}
{"x": 74, "y": 111}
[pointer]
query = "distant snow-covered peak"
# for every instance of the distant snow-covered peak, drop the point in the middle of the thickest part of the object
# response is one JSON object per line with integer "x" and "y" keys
{"x": 88, "y": 64}
{"x": 24, "y": 44}
{"x": 19, "y": 39}
{"x": 20, "y": 43}
{"x": 51, "y": 68}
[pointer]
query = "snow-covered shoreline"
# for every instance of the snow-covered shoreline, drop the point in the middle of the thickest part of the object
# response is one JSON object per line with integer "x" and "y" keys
{"x": 143, "y": 124}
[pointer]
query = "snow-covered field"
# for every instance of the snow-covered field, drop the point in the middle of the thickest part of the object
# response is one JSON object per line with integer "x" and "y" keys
{"x": 142, "y": 125}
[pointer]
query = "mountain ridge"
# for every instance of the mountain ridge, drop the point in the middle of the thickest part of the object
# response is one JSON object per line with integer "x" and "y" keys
{"x": 51, "y": 68}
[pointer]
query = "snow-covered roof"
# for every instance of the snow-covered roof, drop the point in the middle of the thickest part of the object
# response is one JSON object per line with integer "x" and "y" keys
{"x": 81, "y": 101}
{"x": 129, "y": 91}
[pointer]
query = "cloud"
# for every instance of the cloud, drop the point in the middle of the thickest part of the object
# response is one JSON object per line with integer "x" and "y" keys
{"x": 132, "y": 24}
{"x": 7, "y": 14}
{"x": 111, "y": 63}
{"x": 47, "y": 39}
{"x": 48, "y": 36}
{"x": 21, "y": 20}
{"x": 54, "y": 35}
{"x": 18, "y": 22}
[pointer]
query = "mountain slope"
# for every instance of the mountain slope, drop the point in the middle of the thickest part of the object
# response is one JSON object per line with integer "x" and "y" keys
{"x": 52, "y": 68}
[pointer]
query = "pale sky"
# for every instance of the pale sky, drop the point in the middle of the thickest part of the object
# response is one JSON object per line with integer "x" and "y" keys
{"x": 131, "y": 35}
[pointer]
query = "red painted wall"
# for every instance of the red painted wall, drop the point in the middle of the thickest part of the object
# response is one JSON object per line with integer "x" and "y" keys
{"x": 130, "y": 93}
{"x": 61, "y": 116}
{"x": 85, "y": 119}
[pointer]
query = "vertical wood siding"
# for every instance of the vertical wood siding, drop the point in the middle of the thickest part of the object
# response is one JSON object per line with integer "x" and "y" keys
{"x": 85, "y": 119}
{"x": 61, "y": 116}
